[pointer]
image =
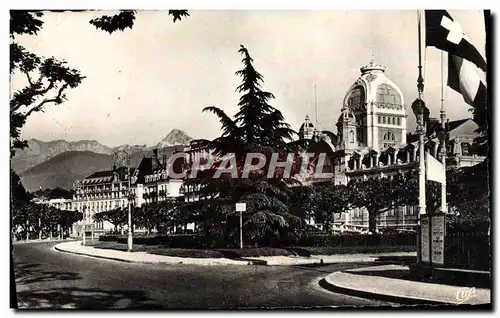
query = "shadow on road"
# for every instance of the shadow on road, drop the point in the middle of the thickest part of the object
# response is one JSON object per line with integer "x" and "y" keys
{"x": 84, "y": 298}
{"x": 30, "y": 273}
{"x": 71, "y": 297}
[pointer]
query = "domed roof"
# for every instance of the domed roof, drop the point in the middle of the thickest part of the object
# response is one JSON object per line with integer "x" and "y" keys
{"x": 307, "y": 124}
{"x": 372, "y": 77}
{"x": 372, "y": 67}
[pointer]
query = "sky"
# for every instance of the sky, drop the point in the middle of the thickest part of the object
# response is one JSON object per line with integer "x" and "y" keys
{"x": 143, "y": 82}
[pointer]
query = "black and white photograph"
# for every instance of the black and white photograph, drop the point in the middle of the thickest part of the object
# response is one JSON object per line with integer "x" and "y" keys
{"x": 250, "y": 159}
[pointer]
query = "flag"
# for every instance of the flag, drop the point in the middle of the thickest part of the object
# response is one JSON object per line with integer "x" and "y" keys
{"x": 434, "y": 169}
{"x": 464, "y": 59}
{"x": 442, "y": 32}
{"x": 464, "y": 79}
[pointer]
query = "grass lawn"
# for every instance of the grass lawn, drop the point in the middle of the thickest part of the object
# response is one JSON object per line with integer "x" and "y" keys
{"x": 234, "y": 253}
{"x": 307, "y": 251}
{"x": 191, "y": 252}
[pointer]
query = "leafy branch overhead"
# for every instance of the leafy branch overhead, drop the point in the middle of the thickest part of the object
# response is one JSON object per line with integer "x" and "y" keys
{"x": 48, "y": 79}
{"x": 125, "y": 19}
{"x": 47, "y": 82}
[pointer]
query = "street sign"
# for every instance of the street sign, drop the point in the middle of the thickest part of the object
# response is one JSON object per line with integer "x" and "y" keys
{"x": 438, "y": 228}
{"x": 241, "y": 207}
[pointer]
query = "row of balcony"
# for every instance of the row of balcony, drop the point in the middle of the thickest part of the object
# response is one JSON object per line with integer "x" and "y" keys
{"x": 161, "y": 193}
{"x": 100, "y": 190}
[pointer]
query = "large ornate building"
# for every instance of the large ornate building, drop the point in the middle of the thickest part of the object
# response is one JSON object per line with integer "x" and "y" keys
{"x": 372, "y": 140}
{"x": 107, "y": 190}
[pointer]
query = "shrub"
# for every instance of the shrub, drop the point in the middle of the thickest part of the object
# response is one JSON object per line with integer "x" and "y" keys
{"x": 187, "y": 252}
{"x": 400, "y": 239}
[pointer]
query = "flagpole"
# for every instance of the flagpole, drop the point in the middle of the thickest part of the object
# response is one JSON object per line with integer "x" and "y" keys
{"x": 421, "y": 124}
{"x": 418, "y": 107}
{"x": 443, "y": 141}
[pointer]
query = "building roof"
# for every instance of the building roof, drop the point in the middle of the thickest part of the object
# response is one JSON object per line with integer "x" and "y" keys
{"x": 107, "y": 175}
{"x": 456, "y": 123}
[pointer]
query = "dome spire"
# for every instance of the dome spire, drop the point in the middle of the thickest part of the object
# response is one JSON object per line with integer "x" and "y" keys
{"x": 372, "y": 66}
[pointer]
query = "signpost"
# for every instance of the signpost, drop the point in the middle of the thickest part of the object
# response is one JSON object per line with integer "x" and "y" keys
{"x": 424, "y": 238}
{"x": 241, "y": 207}
{"x": 438, "y": 234}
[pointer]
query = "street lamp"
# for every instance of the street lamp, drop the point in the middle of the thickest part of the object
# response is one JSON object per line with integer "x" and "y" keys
{"x": 84, "y": 223}
{"x": 129, "y": 195}
{"x": 419, "y": 108}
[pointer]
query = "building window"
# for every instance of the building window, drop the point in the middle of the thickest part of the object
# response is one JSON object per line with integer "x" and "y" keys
{"x": 399, "y": 121}
{"x": 389, "y": 136}
{"x": 387, "y": 95}
{"x": 383, "y": 120}
{"x": 379, "y": 120}
{"x": 351, "y": 136}
{"x": 357, "y": 96}
{"x": 465, "y": 149}
{"x": 393, "y": 120}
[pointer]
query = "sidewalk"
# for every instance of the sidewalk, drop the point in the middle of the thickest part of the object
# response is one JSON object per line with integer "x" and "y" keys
{"x": 391, "y": 283}
{"x": 327, "y": 259}
{"x": 143, "y": 257}
{"x": 44, "y": 240}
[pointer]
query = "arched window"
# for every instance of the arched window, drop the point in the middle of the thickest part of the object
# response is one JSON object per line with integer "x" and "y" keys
{"x": 394, "y": 120}
{"x": 357, "y": 96}
{"x": 351, "y": 136}
{"x": 383, "y": 119}
{"x": 379, "y": 120}
{"x": 399, "y": 121}
{"x": 387, "y": 95}
{"x": 389, "y": 136}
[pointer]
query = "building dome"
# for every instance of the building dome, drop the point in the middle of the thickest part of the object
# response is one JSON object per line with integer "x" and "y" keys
{"x": 373, "y": 85}
{"x": 372, "y": 67}
{"x": 307, "y": 129}
{"x": 372, "y": 107}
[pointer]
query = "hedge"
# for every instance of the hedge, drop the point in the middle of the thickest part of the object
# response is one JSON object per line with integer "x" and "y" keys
{"x": 203, "y": 242}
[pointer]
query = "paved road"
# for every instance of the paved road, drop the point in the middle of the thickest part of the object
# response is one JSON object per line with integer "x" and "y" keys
{"x": 51, "y": 279}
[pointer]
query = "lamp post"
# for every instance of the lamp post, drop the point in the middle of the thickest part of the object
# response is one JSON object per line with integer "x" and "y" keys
{"x": 129, "y": 195}
{"x": 418, "y": 107}
{"x": 84, "y": 223}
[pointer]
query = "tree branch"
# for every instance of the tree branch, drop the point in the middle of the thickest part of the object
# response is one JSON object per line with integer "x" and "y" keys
{"x": 33, "y": 92}
{"x": 52, "y": 100}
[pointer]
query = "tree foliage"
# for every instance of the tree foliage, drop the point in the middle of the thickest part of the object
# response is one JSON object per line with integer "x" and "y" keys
{"x": 49, "y": 79}
{"x": 126, "y": 19}
{"x": 257, "y": 127}
{"x": 331, "y": 199}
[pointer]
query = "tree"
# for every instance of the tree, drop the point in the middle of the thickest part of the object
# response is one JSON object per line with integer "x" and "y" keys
{"x": 117, "y": 217}
{"x": 379, "y": 195}
{"x": 47, "y": 83}
{"x": 332, "y": 199}
{"x": 126, "y": 18}
{"x": 256, "y": 128}
{"x": 49, "y": 79}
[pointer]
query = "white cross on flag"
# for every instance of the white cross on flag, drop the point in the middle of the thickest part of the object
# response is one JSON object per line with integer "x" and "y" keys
{"x": 464, "y": 60}
{"x": 442, "y": 32}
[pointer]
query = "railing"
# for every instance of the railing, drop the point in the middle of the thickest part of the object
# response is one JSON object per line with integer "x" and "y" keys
{"x": 470, "y": 250}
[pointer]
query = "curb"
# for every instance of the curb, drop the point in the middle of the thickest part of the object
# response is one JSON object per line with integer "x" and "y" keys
{"x": 245, "y": 262}
{"x": 369, "y": 295}
{"x": 94, "y": 256}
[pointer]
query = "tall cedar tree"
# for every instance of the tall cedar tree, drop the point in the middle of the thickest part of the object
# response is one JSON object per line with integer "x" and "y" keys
{"x": 256, "y": 128}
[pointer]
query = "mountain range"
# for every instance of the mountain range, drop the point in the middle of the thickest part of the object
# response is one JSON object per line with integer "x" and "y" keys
{"x": 59, "y": 163}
